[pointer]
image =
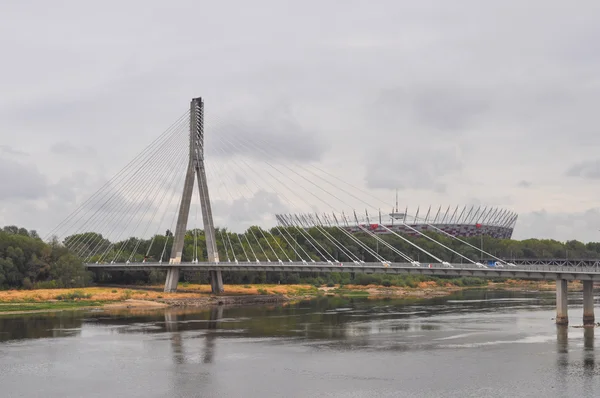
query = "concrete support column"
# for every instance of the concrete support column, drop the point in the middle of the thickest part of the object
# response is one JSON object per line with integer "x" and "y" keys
{"x": 588, "y": 303}
{"x": 562, "y": 317}
{"x": 172, "y": 280}
{"x": 216, "y": 282}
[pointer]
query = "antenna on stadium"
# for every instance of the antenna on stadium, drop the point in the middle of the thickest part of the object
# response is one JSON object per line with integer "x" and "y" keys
{"x": 395, "y": 214}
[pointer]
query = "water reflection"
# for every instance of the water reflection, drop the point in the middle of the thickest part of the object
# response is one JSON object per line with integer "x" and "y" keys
{"x": 172, "y": 323}
{"x": 331, "y": 346}
{"x": 38, "y": 326}
{"x": 562, "y": 357}
{"x": 569, "y": 365}
{"x": 562, "y": 339}
{"x": 588, "y": 352}
{"x": 209, "y": 348}
{"x": 330, "y": 318}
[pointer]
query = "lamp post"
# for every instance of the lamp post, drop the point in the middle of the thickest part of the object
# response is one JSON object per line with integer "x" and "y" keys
{"x": 481, "y": 243}
{"x": 478, "y": 226}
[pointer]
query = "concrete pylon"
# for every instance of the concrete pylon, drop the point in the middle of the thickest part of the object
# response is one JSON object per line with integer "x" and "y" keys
{"x": 588, "y": 303}
{"x": 195, "y": 168}
{"x": 562, "y": 317}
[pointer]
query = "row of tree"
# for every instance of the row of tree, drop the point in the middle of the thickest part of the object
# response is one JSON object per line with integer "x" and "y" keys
{"x": 26, "y": 261}
{"x": 319, "y": 244}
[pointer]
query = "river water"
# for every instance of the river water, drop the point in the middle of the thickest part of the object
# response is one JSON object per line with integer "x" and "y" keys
{"x": 471, "y": 344}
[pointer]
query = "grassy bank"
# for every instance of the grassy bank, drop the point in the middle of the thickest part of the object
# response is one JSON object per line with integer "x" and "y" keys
{"x": 46, "y": 306}
{"x": 12, "y": 301}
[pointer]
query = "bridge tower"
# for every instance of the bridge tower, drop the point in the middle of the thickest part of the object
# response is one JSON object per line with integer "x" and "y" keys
{"x": 195, "y": 170}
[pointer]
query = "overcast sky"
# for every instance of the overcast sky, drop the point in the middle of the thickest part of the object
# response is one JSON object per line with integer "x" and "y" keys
{"x": 453, "y": 102}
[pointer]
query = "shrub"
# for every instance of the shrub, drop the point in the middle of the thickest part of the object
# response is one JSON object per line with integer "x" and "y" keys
{"x": 27, "y": 283}
{"x": 471, "y": 281}
{"x": 410, "y": 282}
{"x": 45, "y": 285}
{"x": 76, "y": 295}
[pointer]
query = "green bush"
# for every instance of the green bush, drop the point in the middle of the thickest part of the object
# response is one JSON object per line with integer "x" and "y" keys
{"x": 410, "y": 282}
{"x": 27, "y": 283}
{"x": 76, "y": 295}
{"x": 45, "y": 285}
{"x": 472, "y": 281}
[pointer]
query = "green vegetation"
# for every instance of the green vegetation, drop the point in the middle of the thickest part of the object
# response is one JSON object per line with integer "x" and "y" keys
{"x": 27, "y": 262}
{"x": 43, "y": 306}
{"x": 76, "y": 295}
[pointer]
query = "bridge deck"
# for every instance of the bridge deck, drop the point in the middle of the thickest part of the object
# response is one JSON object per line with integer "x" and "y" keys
{"x": 533, "y": 272}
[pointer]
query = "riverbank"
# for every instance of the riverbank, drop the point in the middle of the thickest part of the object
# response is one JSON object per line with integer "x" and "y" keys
{"x": 150, "y": 297}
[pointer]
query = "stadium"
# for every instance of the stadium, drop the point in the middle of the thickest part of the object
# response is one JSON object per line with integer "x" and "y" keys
{"x": 460, "y": 222}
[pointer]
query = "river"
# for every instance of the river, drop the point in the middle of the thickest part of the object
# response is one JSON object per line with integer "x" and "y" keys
{"x": 470, "y": 344}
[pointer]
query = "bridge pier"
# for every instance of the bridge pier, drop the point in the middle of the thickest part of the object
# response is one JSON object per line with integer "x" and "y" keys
{"x": 216, "y": 282}
{"x": 588, "y": 303}
{"x": 562, "y": 316}
{"x": 172, "y": 280}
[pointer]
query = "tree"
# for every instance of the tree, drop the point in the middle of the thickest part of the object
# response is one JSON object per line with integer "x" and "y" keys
{"x": 68, "y": 271}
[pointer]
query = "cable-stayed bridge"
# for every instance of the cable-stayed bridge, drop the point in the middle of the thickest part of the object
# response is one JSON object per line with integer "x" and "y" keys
{"x": 140, "y": 219}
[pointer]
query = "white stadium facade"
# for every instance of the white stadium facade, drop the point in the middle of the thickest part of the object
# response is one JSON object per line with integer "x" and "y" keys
{"x": 461, "y": 222}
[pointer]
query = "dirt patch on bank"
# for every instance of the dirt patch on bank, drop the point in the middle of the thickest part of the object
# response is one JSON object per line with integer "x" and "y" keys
{"x": 425, "y": 290}
{"x": 225, "y": 300}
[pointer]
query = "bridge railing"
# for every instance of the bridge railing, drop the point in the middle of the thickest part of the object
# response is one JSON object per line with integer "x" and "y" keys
{"x": 276, "y": 266}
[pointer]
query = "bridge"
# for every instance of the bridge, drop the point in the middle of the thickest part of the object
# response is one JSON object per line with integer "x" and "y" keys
{"x": 563, "y": 262}
{"x": 118, "y": 227}
{"x": 538, "y": 272}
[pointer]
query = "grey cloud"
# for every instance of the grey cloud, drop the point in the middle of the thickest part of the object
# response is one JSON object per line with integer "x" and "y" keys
{"x": 68, "y": 188}
{"x": 260, "y": 209}
{"x": 21, "y": 181}
{"x": 562, "y": 226}
{"x": 524, "y": 184}
{"x": 277, "y": 136}
{"x": 587, "y": 169}
{"x": 412, "y": 170}
{"x": 240, "y": 179}
{"x": 6, "y": 149}
{"x": 439, "y": 106}
{"x": 389, "y": 89}
{"x": 68, "y": 149}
